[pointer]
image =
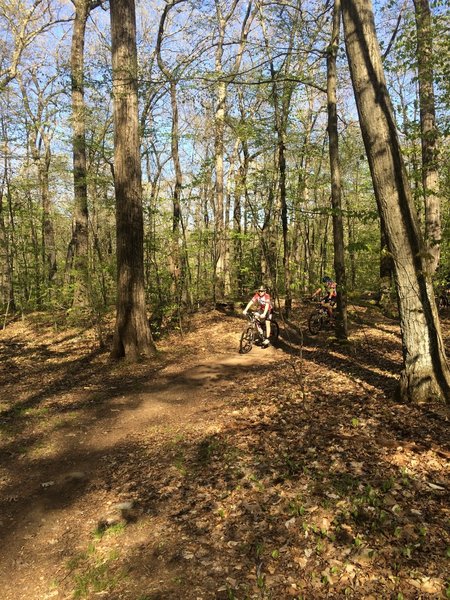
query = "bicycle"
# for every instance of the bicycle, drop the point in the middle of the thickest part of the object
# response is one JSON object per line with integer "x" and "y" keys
{"x": 319, "y": 319}
{"x": 254, "y": 333}
{"x": 443, "y": 300}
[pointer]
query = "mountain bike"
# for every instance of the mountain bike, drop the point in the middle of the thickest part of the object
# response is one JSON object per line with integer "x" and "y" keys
{"x": 443, "y": 300}
{"x": 254, "y": 333}
{"x": 319, "y": 319}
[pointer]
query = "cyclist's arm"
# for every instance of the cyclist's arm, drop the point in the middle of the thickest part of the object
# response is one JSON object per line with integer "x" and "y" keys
{"x": 248, "y": 306}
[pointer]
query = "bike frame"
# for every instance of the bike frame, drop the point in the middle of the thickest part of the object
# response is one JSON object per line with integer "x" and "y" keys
{"x": 258, "y": 326}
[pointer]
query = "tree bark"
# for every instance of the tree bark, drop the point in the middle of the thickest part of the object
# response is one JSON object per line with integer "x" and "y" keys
{"x": 425, "y": 370}
{"x": 132, "y": 338}
{"x": 77, "y": 255}
{"x": 429, "y": 133}
{"x": 336, "y": 202}
{"x": 175, "y": 254}
{"x": 220, "y": 233}
{"x": 6, "y": 230}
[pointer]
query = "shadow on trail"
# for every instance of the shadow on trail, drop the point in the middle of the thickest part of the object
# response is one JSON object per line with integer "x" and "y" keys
{"x": 363, "y": 362}
{"x": 229, "y": 494}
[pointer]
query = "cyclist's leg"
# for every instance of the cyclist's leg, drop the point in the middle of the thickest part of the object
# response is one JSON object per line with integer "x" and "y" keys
{"x": 327, "y": 304}
{"x": 268, "y": 319}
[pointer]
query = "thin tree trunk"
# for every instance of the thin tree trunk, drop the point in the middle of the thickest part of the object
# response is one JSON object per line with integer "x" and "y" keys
{"x": 6, "y": 226}
{"x": 219, "y": 126}
{"x": 430, "y": 175}
{"x": 338, "y": 227}
{"x": 175, "y": 254}
{"x": 219, "y": 123}
{"x": 77, "y": 255}
{"x": 48, "y": 230}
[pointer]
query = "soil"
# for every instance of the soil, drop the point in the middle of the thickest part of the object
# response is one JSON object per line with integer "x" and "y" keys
{"x": 287, "y": 472}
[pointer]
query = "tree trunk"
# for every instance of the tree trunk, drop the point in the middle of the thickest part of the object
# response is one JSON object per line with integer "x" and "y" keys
{"x": 338, "y": 227}
{"x": 6, "y": 227}
{"x": 386, "y": 273}
{"x": 77, "y": 255}
{"x": 40, "y": 149}
{"x": 48, "y": 230}
{"x": 425, "y": 371}
{"x": 430, "y": 176}
{"x": 221, "y": 241}
{"x": 175, "y": 254}
{"x": 219, "y": 127}
{"x": 132, "y": 338}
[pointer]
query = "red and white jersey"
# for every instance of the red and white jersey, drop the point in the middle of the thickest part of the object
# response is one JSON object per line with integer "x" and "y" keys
{"x": 261, "y": 301}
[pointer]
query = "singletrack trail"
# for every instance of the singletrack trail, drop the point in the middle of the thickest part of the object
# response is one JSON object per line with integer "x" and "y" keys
{"x": 204, "y": 474}
{"x": 54, "y": 500}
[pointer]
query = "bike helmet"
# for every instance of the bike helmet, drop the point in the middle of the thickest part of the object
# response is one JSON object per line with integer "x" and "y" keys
{"x": 262, "y": 288}
{"x": 326, "y": 279}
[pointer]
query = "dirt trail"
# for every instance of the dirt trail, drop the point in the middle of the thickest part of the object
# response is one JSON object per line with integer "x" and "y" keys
{"x": 64, "y": 495}
{"x": 208, "y": 475}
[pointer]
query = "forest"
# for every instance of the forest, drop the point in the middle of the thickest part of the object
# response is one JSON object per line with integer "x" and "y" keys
{"x": 159, "y": 162}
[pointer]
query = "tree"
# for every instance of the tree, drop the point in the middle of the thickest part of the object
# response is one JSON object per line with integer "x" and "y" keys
{"x": 77, "y": 255}
{"x": 219, "y": 132}
{"x": 282, "y": 101}
{"x": 25, "y": 21}
{"x": 170, "y": 75}
{"x": 429, "y": 132}
{"x": 425, "y": 371}
{"x": 6, "y": 263}
{"x": 132, "y": 337}
{"x": 41, "y": 113}
{"x": 338, "y": 227}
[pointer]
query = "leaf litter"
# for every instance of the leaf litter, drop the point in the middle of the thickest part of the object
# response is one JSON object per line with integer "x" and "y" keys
{"x": 286, "y": 473}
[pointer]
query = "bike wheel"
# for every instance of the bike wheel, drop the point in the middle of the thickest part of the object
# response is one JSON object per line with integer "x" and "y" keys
{"x": 274, "y": 331}
{"x": 315, "y": 322}
{"x": 246, "y": 341}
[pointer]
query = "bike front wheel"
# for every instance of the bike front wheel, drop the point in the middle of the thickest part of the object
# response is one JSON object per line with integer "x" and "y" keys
{"x": 315, "y": 323}
{"x": 246, "y": 341}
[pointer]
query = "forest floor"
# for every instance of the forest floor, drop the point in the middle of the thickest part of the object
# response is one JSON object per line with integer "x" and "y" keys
{"x": 204, "y": 474}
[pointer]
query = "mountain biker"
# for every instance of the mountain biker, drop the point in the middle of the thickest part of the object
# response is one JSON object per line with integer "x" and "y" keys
{"x": 329, "y": 300}
{"x": 444, "y": 297}
{"x": 264, "y": 309}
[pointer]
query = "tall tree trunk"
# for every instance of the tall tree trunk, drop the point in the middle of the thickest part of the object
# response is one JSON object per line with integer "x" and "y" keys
{"x": 219, "y": 127}
{"x": 220, "y": 234}
{"x": 132, "y": 337}
{"x": 281, "y": 102}
{"x": 425, "y": 370}
{"x": 338, "y": 227}
{"x": 77, "y": 255}
{"x": 48, "y": 230}
{"x": 176, "y": 214}
{"x": 6, "y": 226}
{"x": 175, "y": 254}
{"x": 430, "y": 176}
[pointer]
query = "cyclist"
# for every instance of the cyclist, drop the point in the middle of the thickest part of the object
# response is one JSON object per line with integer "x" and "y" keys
{"x": 329, "y": 300}
{"x": 444, "y": 298}
{"x": 264, "y": 309}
